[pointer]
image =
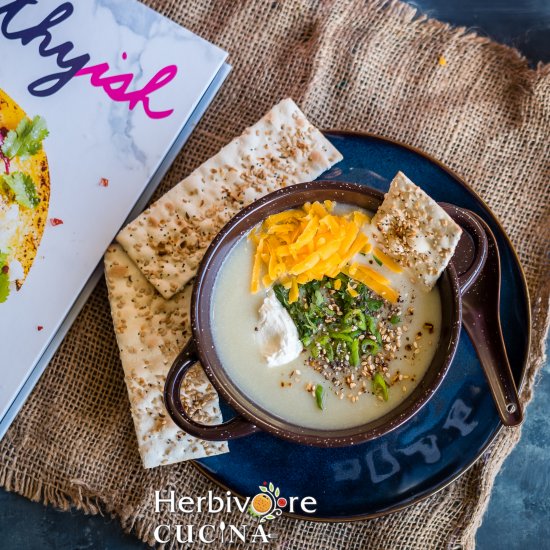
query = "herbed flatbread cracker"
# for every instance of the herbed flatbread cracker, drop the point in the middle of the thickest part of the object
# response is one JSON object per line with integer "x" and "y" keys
{"x": 168, "y": 240}
{"x": 150, "y": 332}
{"x": 415, "y": 231}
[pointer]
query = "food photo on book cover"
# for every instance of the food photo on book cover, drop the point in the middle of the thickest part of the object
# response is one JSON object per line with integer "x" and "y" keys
{"x": 306, "y": 331}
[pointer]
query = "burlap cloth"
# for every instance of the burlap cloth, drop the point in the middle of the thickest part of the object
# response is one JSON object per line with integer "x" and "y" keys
{"x": 349, "y": 64}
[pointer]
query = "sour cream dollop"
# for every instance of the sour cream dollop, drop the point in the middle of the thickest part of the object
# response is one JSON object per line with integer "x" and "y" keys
{"x": 277, "y": 335}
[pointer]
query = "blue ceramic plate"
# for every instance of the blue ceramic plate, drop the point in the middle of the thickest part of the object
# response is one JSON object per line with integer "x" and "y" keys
{"x": 446, "y": 437}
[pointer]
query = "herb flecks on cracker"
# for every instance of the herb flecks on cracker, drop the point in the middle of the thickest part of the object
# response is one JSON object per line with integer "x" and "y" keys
{"x": 150, "y": 333}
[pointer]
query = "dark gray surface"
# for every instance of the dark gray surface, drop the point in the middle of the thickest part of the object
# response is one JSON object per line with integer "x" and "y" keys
{"x": 26, "y": 525}
{"x": 519, "y": 511}
{"x": 523, "y": 24}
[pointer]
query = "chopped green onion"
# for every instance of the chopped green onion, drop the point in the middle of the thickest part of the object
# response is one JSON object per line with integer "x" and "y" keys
{"x": 395, "y": 319}
{"x": 319, "y": 299}
{"x": 369, "y": 346}
{"x": 331, "y": 322}
{"x": 355, "y": 317}
{"x": 373, "y": 304}
{"x": 379, "y": 262}
{"x": 372, "y": 327}
{"x": 320, "y": 396}
{"x": 323, "y": 340}
{"x": 340, "y": 336}
{"x": 306, "y": 341}
{"x": 379, "y": 384}
{"x": 354, "y": 355}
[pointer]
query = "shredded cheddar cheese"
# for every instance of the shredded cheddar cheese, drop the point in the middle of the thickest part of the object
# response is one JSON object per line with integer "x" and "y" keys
{"x": 351, "y": 291}
{"x": 373, "y": 280}
{"x": 301, "y": 245}
{"x": 391, "y": 264}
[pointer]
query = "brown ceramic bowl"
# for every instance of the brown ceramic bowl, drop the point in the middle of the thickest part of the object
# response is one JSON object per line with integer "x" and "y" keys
{"x": 251, "y": 416}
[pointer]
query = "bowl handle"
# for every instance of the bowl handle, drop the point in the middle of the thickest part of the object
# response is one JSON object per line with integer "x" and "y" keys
{"x": 471, "y": 251}
{"x": 232, "y": 429}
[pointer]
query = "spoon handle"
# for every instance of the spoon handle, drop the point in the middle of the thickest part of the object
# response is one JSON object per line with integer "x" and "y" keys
{"x": 488, "y": 342}
{"x": 480, "y": 317}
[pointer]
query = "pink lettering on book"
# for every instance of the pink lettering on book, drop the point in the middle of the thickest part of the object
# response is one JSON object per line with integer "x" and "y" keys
{"x": 116, "y": 86}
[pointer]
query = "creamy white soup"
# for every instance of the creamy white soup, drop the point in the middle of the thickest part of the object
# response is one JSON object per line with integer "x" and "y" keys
{"x": 350, "y": 383}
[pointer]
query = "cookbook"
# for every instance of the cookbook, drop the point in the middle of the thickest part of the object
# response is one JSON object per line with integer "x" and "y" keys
{"x": 96, "y": 100}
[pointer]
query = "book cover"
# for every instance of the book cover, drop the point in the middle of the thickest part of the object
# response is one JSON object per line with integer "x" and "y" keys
{"x": 95, "y": 97}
